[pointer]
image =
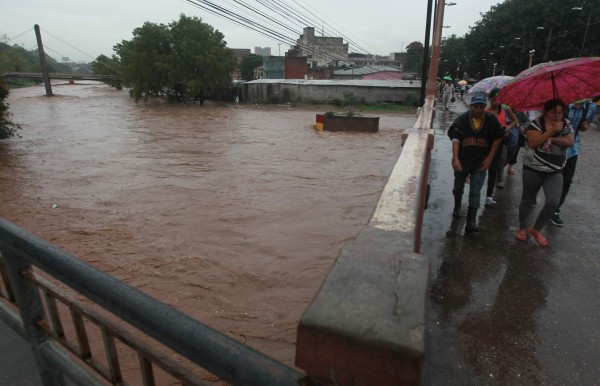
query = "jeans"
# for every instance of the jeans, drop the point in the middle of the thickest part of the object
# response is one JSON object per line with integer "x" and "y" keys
{"x": 477, "y": 179}
{"x": 496, "y": 170}
{"x": 532, "y": 182}
{"x": 568, "y": 173}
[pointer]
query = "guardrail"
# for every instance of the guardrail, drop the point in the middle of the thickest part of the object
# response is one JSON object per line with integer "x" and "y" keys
{"x": 366, "y": 325}
{"x": 30, "y": 305}
{"x": 33, "y": 75}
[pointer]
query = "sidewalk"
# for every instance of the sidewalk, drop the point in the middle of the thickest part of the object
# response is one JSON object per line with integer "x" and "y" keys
{"x": 507, "y": 312}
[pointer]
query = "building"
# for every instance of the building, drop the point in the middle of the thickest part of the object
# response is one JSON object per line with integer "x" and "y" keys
{"x": 368, "y": 73}
{"x": 321, "y": 51}
{"x": 239, "y": 54}
{"x": 296, "y": 68}
{"x": 266, "y": 51}
{"x": 274, "y": 67}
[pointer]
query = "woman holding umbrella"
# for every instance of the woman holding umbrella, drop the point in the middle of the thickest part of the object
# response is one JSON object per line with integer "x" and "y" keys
{"x": 548, "y": 138}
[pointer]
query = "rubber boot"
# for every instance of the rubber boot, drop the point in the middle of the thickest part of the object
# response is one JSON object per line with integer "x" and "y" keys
{"x": 457, "y": 204}
{"x": 471, "y": 221}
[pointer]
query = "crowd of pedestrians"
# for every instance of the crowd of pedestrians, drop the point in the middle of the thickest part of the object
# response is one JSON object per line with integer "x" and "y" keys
{"x": 488, "y": 137}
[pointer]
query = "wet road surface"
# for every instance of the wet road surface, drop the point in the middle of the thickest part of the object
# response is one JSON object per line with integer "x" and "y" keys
{"x": 506, "y": 312}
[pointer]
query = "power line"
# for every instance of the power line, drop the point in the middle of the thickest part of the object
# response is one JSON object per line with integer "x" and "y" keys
{"x": 268, "y": 31}
{"x": 21, "y": 34}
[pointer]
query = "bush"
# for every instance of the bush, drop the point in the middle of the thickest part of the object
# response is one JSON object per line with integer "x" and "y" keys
{"x": 412, "y": 100}
{"x": 7, "y": 127}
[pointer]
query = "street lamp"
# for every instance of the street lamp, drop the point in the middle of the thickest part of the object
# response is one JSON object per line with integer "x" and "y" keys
{"x": 531, "y": 53}
{"x": 587, "y": 26}
{"x": 494, "y": 72}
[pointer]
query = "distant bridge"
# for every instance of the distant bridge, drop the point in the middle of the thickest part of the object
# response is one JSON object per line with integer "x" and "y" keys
{"x": 39, "y": 76}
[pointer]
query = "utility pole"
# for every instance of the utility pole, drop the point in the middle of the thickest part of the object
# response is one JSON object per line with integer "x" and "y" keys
{"x": 425, "y": 66}
{"x": 548, "y": 44}
{"x": 45, "y": 75}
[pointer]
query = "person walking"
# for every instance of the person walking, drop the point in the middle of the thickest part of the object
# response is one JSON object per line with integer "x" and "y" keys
{"x": 476, "y": 136}
{"x": 580, "y": 114}
{"x": 524, "y": 121}
{"x": 447, "y": 94}
{"x": 509, "y": 145}
{"x": 548, "y": 138}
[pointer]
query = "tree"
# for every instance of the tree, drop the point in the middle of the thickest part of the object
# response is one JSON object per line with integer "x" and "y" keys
{"x": 17, "y": 59}
{"x": 414, "y": 57}
{"x": 248, "y": 64}
{"x": 515, "y": 29}
{"x": 7, "y": 127}
{"x": 453, "y": 57}
{"x": 145, "y": 60}
{"x": 187, "y": 59}
{"x": 200, "y": 64}
{"x": 103, "y": 65}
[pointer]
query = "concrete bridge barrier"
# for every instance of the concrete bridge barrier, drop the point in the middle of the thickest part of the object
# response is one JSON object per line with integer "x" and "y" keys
{"x": 366, "y": 326}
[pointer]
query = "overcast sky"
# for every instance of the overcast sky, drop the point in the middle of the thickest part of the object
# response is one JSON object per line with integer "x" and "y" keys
{"x": 83, "y": 29}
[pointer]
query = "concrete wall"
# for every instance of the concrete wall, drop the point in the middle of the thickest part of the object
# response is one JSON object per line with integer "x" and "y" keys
{"x": 327, "y": 91}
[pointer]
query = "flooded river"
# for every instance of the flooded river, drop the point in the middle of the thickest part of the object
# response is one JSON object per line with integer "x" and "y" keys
{"x": 233, "y": 214}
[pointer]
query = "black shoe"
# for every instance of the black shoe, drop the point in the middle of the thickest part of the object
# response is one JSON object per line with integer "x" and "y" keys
{"x": 556, "y": 220}
{"x": 470, "y": 228}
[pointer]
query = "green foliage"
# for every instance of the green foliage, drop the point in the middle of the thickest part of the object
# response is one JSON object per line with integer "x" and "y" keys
{"x": 187, "y": 59}
{"x": 17, "y": 59}
{"x": 144, "y": 60}
{"x": 200, "y": 60}
{"x": 550, "y": 27}
{"x": 351, "y": 99}
{"x": 103, "y": 65}
{"x": 248, "y": 64}
{"x": 414, "y": 57}
{"x": 412, "y": 100}
{"x": 7, "y": 127}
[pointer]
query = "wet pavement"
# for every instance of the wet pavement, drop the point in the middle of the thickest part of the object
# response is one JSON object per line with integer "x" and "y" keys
{"x": 506, "y": 312}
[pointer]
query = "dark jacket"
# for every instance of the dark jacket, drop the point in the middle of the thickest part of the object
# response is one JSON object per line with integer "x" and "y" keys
{"x": 475, "y": 145}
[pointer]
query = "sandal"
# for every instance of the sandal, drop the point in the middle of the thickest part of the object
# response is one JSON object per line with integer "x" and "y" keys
{"x": 521, "y": 235}
{"x": 539, "y": 237}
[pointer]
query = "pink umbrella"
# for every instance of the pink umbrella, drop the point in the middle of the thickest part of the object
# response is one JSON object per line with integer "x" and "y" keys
{"x": 569, "y": 80}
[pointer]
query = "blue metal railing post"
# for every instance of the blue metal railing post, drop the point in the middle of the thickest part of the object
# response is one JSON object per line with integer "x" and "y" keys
{"x": 31, "y": 310}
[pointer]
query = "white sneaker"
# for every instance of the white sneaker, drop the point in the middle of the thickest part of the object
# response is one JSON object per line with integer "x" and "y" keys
{"x": 489, "y": 201}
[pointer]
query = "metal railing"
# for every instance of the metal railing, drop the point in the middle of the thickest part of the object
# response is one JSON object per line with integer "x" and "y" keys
{"x": 30, "y": 304}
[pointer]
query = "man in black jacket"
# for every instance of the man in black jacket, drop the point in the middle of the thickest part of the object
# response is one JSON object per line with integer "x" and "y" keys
{"x": 476, "y": 136}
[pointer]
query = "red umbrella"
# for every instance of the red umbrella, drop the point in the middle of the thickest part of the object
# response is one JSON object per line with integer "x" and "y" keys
{"x": 569, "y": 80}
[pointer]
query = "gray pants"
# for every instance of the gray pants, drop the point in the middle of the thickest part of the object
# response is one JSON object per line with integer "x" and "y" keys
{"x": 532, "y": 182}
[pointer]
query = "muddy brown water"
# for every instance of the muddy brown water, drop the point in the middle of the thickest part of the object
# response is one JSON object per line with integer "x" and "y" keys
{"x": 233, "y": 214}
